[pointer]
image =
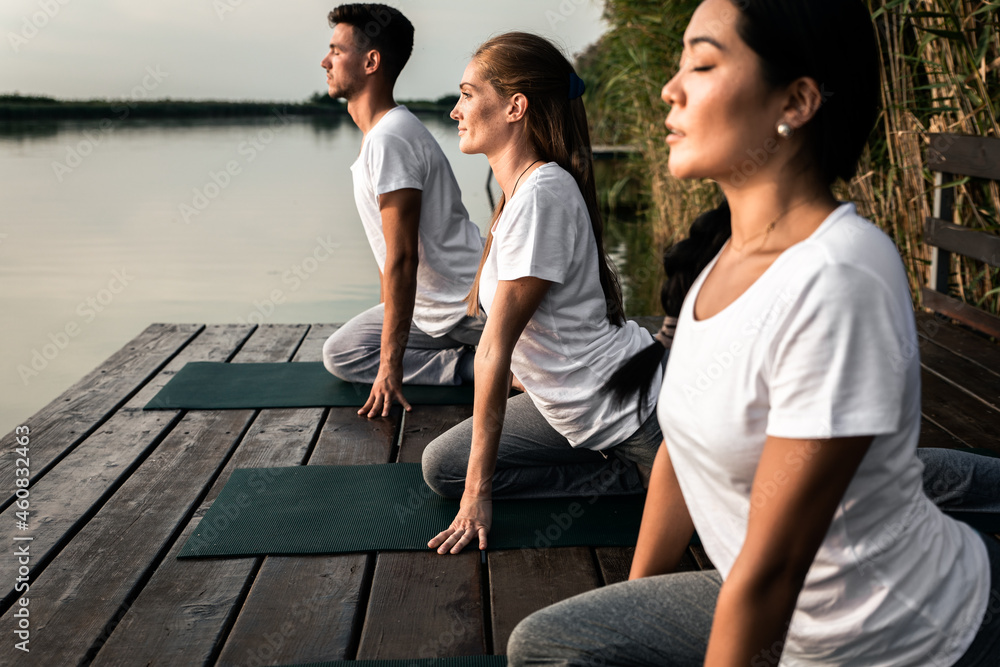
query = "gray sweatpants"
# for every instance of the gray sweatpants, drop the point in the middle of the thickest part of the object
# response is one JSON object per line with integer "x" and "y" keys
{"x": 536, "y": 461}
{"x": 354, "y": 351}
{"x": 665, "y": 621}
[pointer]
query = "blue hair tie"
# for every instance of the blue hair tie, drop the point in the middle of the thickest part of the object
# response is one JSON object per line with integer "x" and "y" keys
{"x": 576, "y": 86}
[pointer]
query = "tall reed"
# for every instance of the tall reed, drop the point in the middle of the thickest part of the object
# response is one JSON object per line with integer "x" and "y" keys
{"x": 940, "y": 64}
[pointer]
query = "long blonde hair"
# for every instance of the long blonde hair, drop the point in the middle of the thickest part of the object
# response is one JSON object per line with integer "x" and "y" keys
{"x": 556, "y": 127}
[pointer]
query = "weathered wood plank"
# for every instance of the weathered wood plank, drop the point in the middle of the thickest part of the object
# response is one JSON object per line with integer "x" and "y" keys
{"x": 967, "y": 418}
{"x": 932, "y": 435}
{"x": 964, "y": 155}
{"x": 962, "y": 240}
{"x": 965, "y": 375}
{"x": 424, "y": 605}
{"x": 78, "y": 411}
{"x": 961, "y": 311}
{"x": 81, "y": 482}
{"x": 301, "y": 610}
{"x": 964, "y": 343}
{"x": 522, "y": 581}
{"x": 93, "y": 581}
{"x": 183, "y": 613}
{"x": 305, "y": 609}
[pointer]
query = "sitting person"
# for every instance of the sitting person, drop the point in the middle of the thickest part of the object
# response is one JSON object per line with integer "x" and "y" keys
{"x": 556, "y": 323}
{"x": 790, "y": 408}
{"x": 426, "y": 247}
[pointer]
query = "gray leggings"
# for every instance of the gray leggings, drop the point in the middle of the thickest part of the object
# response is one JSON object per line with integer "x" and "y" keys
{"x": 535, "y": 461}
{"x": 354, "y": 351}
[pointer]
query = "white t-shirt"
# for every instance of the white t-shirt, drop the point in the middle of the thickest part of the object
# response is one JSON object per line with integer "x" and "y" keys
{"x": 399, "y": 153}
{"x": 568, "y": 348}
{"x": 824, "y": 345}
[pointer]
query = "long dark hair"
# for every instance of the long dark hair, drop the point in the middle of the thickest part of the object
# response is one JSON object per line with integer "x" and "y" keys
{"x": 793, "y": 39}
{"x": 682, "y": 263}
{"x": 556, "y": 127}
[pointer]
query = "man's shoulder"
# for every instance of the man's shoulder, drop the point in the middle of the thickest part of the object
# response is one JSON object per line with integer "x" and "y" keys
{"x": 402, "y": 123}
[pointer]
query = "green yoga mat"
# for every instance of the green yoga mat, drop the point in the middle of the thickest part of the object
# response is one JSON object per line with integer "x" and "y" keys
{"x": 386, "y": 507}
{"x": 209, "y": 385}
{"x": 470, "y": 661}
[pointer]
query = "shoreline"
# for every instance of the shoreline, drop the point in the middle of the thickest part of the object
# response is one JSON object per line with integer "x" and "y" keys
{"x": 17, "y": 109}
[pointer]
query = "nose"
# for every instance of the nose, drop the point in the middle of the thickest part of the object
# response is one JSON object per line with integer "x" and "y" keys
{"x": 325, "y": 63}
{"x": 454, "y": 112}
{"x": 672, "y": 93}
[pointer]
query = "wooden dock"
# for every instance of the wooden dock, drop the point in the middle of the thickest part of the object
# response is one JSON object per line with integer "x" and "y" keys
{"x": 116, "y": 491}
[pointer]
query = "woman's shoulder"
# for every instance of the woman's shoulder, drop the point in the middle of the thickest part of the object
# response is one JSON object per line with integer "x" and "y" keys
{"x": 846, "y": 241}
{"x": 549, "y": 187}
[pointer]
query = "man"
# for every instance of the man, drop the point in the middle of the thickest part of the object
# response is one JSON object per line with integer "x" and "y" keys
{"x": 426, "y": 247}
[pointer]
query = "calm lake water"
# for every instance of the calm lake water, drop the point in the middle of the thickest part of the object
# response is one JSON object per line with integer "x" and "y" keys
{"x": 106, "y": 229}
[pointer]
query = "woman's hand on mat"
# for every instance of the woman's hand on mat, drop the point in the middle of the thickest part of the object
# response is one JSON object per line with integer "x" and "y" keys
{"x": 388, "y": 387}
{"x": 475, "y": 515}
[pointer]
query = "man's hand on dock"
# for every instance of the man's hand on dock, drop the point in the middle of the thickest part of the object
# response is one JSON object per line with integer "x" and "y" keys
{"x": 387, "y": 388}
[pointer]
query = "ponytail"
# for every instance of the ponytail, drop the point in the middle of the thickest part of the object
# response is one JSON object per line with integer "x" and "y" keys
{"x": 556, "y": 127}
{"x": 683, "y": 262}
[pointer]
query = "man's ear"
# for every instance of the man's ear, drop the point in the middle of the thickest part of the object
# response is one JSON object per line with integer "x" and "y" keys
{"x": 805, "y": 97}
{"x": 517, "y": 107}
{"x": 373, "y": 61}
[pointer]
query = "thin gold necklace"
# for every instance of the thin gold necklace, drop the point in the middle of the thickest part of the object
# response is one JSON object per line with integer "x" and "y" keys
{"x": 767, "y": 230}
{"x": 522, "y": 174}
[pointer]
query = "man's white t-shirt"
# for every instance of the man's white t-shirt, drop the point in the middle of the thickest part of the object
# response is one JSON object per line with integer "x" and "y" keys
{"x": 568, "y": 348}
{"x": 824, "y": 345}
{"x": 400, "y": 153}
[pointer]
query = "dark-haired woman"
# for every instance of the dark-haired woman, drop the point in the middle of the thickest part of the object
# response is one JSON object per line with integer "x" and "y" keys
{"x": 555, "y": 317}
{"x": 791, "y": 404}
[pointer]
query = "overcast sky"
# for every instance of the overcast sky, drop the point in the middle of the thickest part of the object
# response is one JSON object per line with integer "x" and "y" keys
{"x": 246, "y": 49}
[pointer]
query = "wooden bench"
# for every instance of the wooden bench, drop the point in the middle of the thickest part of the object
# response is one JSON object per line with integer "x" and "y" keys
{"x": 116, "y": 491}
{"x": 953, "y": 156}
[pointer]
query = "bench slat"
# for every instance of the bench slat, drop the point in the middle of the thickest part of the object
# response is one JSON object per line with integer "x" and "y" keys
{"x": 964, "y": 155}
{"x": 962, "y": 240}
{"x": 961, "y": 311}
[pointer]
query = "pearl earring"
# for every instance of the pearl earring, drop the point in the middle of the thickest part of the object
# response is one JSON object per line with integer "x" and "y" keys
{"x": 784, "y": 130}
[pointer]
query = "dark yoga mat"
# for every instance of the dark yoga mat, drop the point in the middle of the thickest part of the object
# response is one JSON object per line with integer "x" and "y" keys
{"x": 209, "y": 385}
{"x": 470, "y": 661}
{"x": 386, "y": 507}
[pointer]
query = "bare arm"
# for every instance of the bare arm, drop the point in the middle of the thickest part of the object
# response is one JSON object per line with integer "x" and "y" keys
{"x": 666, "y": 527}
{"x": 400, "y": 224}
{"x": 514, "y": 304}
{"x": 797, "y": 489}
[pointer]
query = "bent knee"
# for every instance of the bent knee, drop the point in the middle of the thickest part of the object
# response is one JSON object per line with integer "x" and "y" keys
{"x": 349, "y": 362}
{"x": 533, "y": 642}
{"x": 442, "y": 472}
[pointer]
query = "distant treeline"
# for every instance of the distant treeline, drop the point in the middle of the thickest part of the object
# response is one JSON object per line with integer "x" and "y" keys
{"x": 15, "y": 107}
